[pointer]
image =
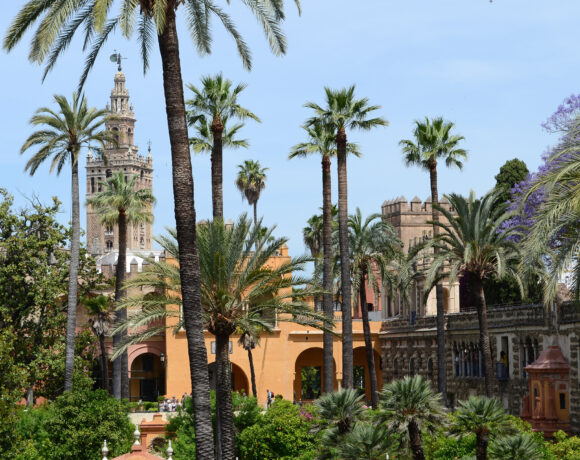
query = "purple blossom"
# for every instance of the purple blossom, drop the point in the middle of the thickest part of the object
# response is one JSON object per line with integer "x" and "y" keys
{"x": 566, "y": 113}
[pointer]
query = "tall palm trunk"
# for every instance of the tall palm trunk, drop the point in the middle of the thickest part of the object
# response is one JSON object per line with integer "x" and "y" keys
{"x": 256, "y": 212}
{"x": 484, "y": 344}
{"x": 481, "y": 447}
{"x": 119, "y": 294}
{"x": 347, "y": 358}
{"x": 368, "y": 342}
{"x": 252, "y": 372}
{"x": 217, "y": 197}
{"x": 327, "y": 307}
{"x": 415, "y": 441}
{"x": 73, "y": 273}
{"x": 186, "y": 236}
{"x": 224, "y": 405}
{"x": 441, "y": 361}
{"x": 104, "y": 363}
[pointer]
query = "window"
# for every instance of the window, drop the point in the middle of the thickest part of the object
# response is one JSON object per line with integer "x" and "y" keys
{"x": 92, "y": 185}
{"x": 109, "y": 245}
{"x": 562, "y": 401}
{"x": 108, "y": 173}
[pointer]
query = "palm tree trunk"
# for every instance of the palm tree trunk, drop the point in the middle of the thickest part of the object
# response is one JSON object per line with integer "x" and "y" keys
{"x": 186, "y": 236}
{"x": 73, "y": 273}
{"x": 224, "y": 405}
{"x": 327, "y": 307}
{"x": 441, "y": 361}
{"x": 415, "y": 441}
{"x": 217, "y": 198}
{"x": 368, "y": 342}
{"x": 347, "y": 358}
{"x": 256, "y": 212}
{"x": 481, "y": 447}
{"x": 119, "y": 294}
{"x": 484, "y": 343}
{"x": 252, "y": 373}
{"x": 104, "y": 363}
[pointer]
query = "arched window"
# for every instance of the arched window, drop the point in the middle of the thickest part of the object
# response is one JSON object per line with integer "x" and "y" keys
{"x": 109, "y": 245}
{"x": 92, "y": 185}
{"x": 108, "y": 173}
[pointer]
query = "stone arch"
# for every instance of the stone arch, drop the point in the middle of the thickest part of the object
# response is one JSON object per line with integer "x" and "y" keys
{"x": 360, "y": 361}
{"x": 146, "y": 377}
{"x": 309, "y": 374}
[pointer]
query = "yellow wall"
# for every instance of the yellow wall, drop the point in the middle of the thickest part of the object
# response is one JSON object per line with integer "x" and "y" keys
{"x": 275, "y": 358}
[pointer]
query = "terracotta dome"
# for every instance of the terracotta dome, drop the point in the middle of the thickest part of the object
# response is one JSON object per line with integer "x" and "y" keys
{"x": 550, "y": 360}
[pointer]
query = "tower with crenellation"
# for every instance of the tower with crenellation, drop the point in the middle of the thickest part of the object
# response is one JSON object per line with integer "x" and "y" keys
{"x": 124, "y": 156}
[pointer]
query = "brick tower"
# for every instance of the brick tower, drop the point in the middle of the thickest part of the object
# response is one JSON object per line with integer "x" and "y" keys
{"x": 123, "y": 157}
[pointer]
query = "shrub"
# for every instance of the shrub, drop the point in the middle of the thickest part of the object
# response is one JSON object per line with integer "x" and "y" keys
{"x": 284, "y": 432}
{"x": 565, "y": 447}
{"x": 75, "y": 425}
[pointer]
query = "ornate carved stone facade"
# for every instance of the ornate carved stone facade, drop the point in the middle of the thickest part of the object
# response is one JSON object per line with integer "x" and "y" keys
{"x": 409, "y": 342}
{"x": 122, "y": 157}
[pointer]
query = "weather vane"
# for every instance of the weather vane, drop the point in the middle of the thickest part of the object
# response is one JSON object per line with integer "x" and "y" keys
{"x": 116, "y": 57}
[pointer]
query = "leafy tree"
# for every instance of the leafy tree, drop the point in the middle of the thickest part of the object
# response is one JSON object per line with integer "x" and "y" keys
{"x": 61, "y": 137}
{"x": 343, "y": 111}
{"x": 482, "y": 416}
{"x": 434, "y": 142}
{"x": 283, "y": 432}
{"x": 57, "y": 27}
{"x": 121, "y": 203}
{"x": 318, "y": 237}
{"x": 566, "y": 447}
{"x": 75, "y": 425}
{"x": 251, "y": 180}
{"x": 411, "y": 407}
{"x": 373, "y": 242}
{"x": 511, "y": 173}
{"x": 33, "y": 277}
{"x": 217, "y": 101}
{"x": 471, "y": 246}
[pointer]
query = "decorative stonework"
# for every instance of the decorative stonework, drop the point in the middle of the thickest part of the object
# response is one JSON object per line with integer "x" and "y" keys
{"x": 121, "y": 157}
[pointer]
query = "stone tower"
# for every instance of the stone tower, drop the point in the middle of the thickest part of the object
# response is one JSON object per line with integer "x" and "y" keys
{"x": 122, "y": 157}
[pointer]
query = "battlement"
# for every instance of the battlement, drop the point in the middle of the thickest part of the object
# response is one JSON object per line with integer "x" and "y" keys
{"x": 400, "y": 205}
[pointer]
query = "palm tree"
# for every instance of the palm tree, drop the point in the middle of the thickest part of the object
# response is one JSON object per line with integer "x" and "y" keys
{"x": 241, "y": 292}
{"x": 248, "y": 340}
{"x": 400, "y": 275}
{"x": 410, "y": 406}
{"x": 322, "y": 140}
{"x": 240, "y": 289}
{"x": 61, "y": 137}
{"x": 373, "y": 243}
{"x": 58, "y": 25}
{"x": 101, "y": 318}
{"x": 216, "y": 101}
{"x": 312, "y": 235}
{"x": 367, "y": 441}
{"x": 472, "y": 247}
{"x": 251, "y": 181}
{"x": 434, "y": 142}
{"x": 121, "y": 203}
{"x": 521, "y": 446}
{"x": 554, "y": 236}
{"x": 341, "y": 112}
{"x": 202, "y": 142}
{"x": 482, "y": 416}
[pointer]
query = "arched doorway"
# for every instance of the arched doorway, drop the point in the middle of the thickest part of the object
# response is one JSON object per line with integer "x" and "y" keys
{"x": 361, "y": 371}
{"x": 147, "y": 381}
{"x": 308, "y": 375}
{"x": 239, "y": 379}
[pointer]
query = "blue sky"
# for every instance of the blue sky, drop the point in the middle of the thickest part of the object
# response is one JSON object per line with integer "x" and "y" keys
{"x": 495, "y": 69}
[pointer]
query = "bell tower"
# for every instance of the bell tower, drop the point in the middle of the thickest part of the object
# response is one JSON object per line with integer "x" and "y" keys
{"x": 121, "y": 157}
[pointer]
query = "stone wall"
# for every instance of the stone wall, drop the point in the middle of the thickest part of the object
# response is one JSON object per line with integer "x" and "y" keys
{"x": 521, "y": 331}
